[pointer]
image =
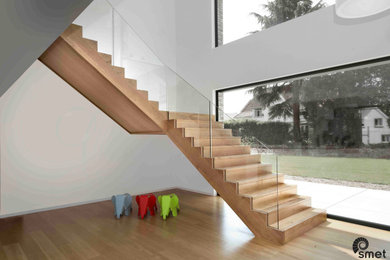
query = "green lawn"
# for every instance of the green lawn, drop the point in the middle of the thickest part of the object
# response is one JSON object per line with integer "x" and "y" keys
{"x": 348, "y": 169}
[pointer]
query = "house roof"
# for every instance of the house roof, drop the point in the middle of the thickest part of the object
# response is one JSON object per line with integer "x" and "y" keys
{"x": 247, "y": 111}
{"x": 377, "y": 109}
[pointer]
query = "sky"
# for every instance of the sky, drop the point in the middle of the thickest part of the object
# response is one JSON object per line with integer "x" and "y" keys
{"x": 237, "y": 21}
{"x": 237, "y": 24}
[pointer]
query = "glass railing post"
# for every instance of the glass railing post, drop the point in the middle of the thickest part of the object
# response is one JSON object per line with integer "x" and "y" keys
{"x": 277, "y": 188}
{"x": 113, "y": 36}
{"x": 211, "y": 128}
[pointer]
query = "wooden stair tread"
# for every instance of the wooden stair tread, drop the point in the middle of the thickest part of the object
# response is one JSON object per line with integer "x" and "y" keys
{"x": 257, "y": 178}
{"x": 222, "y": 150}
{"x": 283, "y": 203}
{"x": 226, "y": 146}
{"x": 219, "y": 137}
{"x": 236, "y": 156}
{"x": 205, "y": 132}
{"x": 194, "y": 123}
{"x": 268, "y": 190}
{"x": 299, "y": 218}
{"x": 216, "y": 141}
{"x": 184, "y": 115}
{"x": 236, "y": 160}
{"x": 245, "y": 166}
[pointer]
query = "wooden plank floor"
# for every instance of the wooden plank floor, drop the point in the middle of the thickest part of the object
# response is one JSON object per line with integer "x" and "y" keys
{"x": 206, "y": 228}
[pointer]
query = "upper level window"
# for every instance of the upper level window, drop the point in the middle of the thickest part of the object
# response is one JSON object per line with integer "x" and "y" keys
{"x": 258, "y": 113}
{"x": 237, "y": 19}
{"x": 378, "y": 122}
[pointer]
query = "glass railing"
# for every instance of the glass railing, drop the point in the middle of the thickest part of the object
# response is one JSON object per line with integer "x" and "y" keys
{"x": 269, "y": 178}
{"x": 116, "y": 37}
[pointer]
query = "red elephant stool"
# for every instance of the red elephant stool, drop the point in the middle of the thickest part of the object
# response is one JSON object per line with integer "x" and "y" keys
{"x": 144, "y": 202}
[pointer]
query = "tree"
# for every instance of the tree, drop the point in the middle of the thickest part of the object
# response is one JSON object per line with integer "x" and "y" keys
{"x": 283, "y": 10}
{"x": 314, "y": 98}
{"x": 280, "y": 11}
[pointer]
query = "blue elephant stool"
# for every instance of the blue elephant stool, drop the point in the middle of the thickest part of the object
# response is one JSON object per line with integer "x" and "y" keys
{"x": 122, "y": 203}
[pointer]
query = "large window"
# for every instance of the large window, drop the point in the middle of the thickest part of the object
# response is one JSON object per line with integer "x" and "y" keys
{"x": 237, "y": 19}
{"x": 331, "y": 132}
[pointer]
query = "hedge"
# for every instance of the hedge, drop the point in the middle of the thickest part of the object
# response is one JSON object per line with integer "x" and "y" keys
{"x": 270, "y": 133}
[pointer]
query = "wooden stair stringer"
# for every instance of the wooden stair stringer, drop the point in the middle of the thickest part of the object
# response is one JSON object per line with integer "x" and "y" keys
{"x": 84, "y": 69}
{"x": 255, "y": 221}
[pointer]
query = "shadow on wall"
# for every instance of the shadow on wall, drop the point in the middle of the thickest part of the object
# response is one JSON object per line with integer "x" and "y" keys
{"x": 30, "y": 27}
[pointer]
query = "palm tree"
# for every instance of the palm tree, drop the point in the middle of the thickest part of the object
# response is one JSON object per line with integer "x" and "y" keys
{"x": 283, "y": 99}
{"x": 283, "y": 10}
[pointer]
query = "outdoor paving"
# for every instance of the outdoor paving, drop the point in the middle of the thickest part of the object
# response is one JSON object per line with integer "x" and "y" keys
{"x": 357, "y": 203}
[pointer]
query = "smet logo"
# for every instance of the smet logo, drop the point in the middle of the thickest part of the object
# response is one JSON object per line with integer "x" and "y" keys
{"x": 360, "y": 245}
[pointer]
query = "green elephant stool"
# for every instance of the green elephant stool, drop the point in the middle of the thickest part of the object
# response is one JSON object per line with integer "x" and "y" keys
{"x": 168, "y": 203}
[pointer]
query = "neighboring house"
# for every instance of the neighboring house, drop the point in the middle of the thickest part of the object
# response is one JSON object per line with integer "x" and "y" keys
{"x": 332, "y": 128}
{"x": 375, "y": 126}
{"x": 253, "y": 110}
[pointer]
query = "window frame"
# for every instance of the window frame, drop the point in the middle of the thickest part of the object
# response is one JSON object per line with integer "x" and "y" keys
{"x": 378, "y": 125}
{"x": 216, "y": 27}
{"x": 347, "y": 66}
{"x": 255, "y": 113}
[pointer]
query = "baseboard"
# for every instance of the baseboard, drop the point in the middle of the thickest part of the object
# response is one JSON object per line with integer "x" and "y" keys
{"x": 214, "y": 193}
{"x": 21, "y": 213}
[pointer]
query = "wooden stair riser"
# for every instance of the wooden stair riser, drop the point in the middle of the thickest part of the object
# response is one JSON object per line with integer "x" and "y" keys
{"x": 91, "y": 43}
{"x": 106, "y": 57}
{"x": 205, "y": 132}
{"x": 119, "y": 70}
{"x": 144, "y": 93}
{"x": 287, "y": 211}
{"x": 222, "y": 162}
{"x": 183, "y": 123}
{"x": 190, "y": 116}
{"x": 237, "y": 174}
{"x": 198, "y": 142}
{"x": 225, "y": 150}
{"x": 257, "y": 202}
{"x": 304, "y": 226}
{"x": 259, "y": 184}
{"x": 132, "y": 83}
{"x": 154, "y": 104}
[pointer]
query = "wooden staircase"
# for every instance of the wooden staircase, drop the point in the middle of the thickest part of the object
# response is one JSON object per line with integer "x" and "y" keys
{"x": 247, "y": 185}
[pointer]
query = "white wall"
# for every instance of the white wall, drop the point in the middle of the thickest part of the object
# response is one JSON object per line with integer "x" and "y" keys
{"x": 154, "y": 21}
{"x": 314, "y": 41}
{"x": 59, "y": 149}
